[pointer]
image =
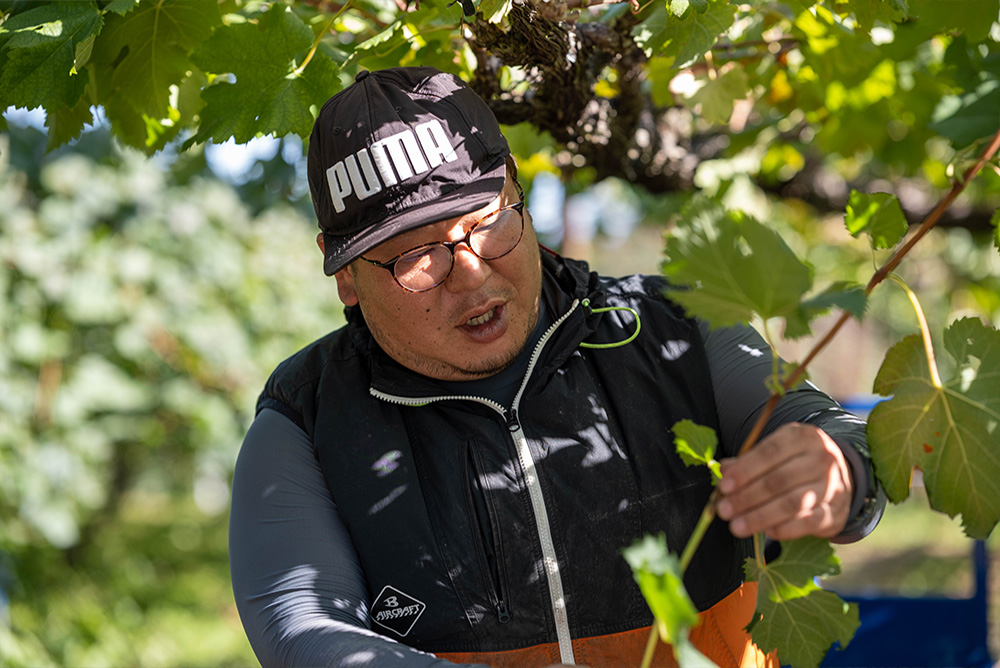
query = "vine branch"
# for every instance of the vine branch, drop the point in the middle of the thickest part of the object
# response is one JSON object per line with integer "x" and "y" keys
{"x": 880, "y": 275}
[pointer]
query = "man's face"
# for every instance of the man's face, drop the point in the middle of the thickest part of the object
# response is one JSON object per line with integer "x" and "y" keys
{"x": 472, "y": 325}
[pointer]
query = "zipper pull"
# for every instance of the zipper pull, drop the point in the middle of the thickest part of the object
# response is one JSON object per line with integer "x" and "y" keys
{"x": 512, "y": 420}
{"x": 503, "y": 614}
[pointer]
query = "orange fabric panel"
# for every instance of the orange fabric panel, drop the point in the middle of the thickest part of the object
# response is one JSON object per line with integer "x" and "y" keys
{"x": 539, "y": 655}
{"x": 720, "y": 636}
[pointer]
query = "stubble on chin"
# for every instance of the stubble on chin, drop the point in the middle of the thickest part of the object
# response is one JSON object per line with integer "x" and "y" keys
{"x": 431, "y": 367}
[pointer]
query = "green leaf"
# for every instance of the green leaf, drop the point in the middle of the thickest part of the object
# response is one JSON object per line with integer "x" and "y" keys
{"x": 868, "y": 12}
{"x": 148, "y": 50}
{"x": 40, "y": 46}
{"x": 878, "y": 214}
{"x": 965, "y": 118}
{"x": 950, "y": 432}
{"x": 685, "y": 40}
{"x": 717, "y": 95}
{"x": 696, "y": 445}
{"x": 842, "y": 295}
{"x": 658, "y": 574}
{"x": 121, "y": 7}
{"x": 679, "y": 7}
{"x": 66, "y": 122}
{"x": 659, "y": 73}
{"x": 973, "y": 18}
{"x": 270, "y": 94}
{"x": 494, "y": 11}
{"x": 836, "y": 54}
{"x": 725, "y": 267}
{"x": 794, "y": 616}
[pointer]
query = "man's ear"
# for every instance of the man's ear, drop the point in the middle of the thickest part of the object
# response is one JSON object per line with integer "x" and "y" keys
{"x": 345, "y": 287}
{"x": 345, "y": 279}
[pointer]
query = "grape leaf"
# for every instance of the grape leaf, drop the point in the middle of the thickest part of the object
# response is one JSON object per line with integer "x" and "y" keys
{"x": 727, "y": 267}
{"x": 878, "y": 214}
{"x": 696, "y": 444}
{"x": 680, "y": 7}
{"x": 40, "y": 49}
{"x": 794, "y": 615}
{"x": 708, "y": 250}
{"x": 121, "y": 6}
{"x": 965, "y": 118}
{"x": 717, "y": 95}
{"x": 66, "y": 122}
{"x": 394, "y": 37}
{"x": 687, "y": 39}
{"x": 950, "y": 432}
{"x": 270, "y": 95}
{"x": 971, "y": 17}
{"x": 868, "y": 12}
{"x": 494, "y": 11}
{"x": 834, "y": 53}
{"x": 148, "y": 49}
{"x": 658, "y": 574}
{"x": 847, "y": 296}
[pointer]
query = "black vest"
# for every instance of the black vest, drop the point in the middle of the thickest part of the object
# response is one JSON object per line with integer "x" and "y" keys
{"x": 437, "y": 497}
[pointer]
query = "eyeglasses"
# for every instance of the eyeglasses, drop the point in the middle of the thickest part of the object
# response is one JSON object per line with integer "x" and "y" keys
{"x": 428, "y": 266}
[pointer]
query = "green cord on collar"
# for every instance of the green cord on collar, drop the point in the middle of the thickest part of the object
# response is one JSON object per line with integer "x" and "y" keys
{"x": 638, "y": 326}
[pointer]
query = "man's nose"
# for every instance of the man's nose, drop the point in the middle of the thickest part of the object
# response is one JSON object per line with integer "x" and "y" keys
{"x": 468, "y": 272}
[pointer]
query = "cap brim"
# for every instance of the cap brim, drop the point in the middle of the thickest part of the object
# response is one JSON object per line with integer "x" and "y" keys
{"x": 340, "y": 251}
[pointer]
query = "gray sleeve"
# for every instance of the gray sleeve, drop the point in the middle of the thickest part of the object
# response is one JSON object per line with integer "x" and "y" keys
{"x": 740, "y": 361}
{"x": 296, "y": 577}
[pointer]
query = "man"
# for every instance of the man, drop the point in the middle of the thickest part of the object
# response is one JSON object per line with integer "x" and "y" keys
{"x": 452, "y": 476}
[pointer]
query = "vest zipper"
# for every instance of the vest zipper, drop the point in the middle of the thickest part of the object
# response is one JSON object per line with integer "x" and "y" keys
{"x": 549, "y": 559}
{"x": 490, "y": 538}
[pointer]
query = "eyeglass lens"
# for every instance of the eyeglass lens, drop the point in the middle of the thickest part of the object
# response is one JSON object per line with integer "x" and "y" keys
{"x": 493, "y": 237}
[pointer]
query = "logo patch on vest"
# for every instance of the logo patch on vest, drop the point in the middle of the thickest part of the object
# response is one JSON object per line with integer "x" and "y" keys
{"x": 396, "y": 611}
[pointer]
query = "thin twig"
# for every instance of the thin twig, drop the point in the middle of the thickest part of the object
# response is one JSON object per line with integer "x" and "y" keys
{"x": 647, "y": 656}
{"x": 925, "y": 332}
{"x": 319, "y": 37}
{"x": 929, "y": 221}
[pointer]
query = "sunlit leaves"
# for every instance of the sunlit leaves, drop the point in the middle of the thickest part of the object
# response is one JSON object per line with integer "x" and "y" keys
{"x": 868, "y": 12}
{"x": 950, "y": 431}
{"x": 659, "y": 575}
{"x": 419, "y": 38}
{"x": 716, "y": 97}
{"x": 728, "y": 268}
{"x": 696, "y": 445}
{"x": 148, "y": 50}
{"x": 972, "y": 17}
{"x": 272, "y": 89}
{"x": 836, "y": 54}
{"x": 40, "y": 50}
{"x": 683, "y": 39}
{"x": 793, "y": 613}
{"x": 494, "y": 11}
{"x": 877, "y": 214}
{"x": 970, "y": 116}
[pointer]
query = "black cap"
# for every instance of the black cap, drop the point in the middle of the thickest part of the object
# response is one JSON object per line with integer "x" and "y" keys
{"x": 397, "y": 149}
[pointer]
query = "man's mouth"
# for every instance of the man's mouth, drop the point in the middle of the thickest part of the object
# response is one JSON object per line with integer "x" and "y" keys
{"x": 481, "y": 319}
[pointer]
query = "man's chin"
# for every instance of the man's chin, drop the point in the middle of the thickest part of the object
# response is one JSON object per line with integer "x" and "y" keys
{"x": 486, "y": 368}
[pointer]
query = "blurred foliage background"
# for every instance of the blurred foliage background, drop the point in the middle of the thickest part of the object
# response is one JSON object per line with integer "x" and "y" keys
{"x": 143, "y": 305}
